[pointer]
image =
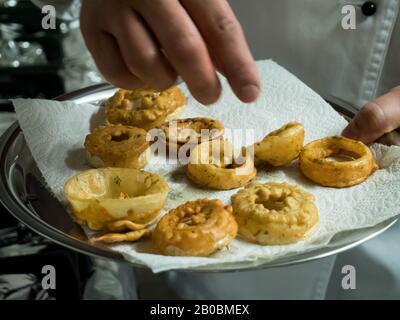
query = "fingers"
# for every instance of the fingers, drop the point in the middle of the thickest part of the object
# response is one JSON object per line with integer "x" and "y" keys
{"x": 376, "y": 118}
{"x": 104, "y": 49}
{"x": 136, "y": 43}
{"x": 140, "y": 52}
{"x": 103, "y": 46}
{"x": 224, "y": 37}
{"x": 183, "y": 45}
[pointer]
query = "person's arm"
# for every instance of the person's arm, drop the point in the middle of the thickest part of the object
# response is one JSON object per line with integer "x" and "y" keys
{"x": 377, "y": 118}
{"x": 142, "y": 42}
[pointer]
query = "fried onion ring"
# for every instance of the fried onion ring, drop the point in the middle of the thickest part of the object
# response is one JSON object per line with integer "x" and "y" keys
{"x": 359, "y": 164}
{"x": 99, "y": 197}
{"x": 282, "y": 146}
{"x": 144, "y": 108}
{"x": 117, "y": 146}
{"x": 213, "y": 165}
{"x": 274, "y": 213}
{"x": 196, "y": 228}
{"x": 191, "y": 130}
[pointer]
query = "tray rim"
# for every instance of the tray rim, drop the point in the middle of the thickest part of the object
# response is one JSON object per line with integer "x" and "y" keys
{"x": 23, "y": 214}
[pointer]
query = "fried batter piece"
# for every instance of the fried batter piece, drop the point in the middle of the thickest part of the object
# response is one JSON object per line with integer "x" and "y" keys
{"x": 144, "y": 108}
{"x": 196, "y": 228}
{"x": 274, "y": 213}
{"x": 117, "y": 146}
{"x": 282, "y": 146}
{"x": 214, "y": 165}
{"x": 359, "y": 163}
{"x": 191, "y": 130}
{"x": 99, "y": 197}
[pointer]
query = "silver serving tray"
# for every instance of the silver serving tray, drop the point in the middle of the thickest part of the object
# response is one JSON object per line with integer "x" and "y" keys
{"x": 23, "y": 193}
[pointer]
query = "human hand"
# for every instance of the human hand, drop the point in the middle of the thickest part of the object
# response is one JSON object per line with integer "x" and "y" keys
{"x": 377, "y": 118}
{"x": 139, "y": 42}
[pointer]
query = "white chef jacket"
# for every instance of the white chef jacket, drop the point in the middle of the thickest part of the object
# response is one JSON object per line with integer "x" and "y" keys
{"x": 306, "y": 37}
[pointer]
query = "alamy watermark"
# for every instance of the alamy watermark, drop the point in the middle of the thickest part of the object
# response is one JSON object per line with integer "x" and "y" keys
{"x": 349, "y": 17}
{"x": 348, "y": 20}
{"x": 205, "y": 146}
{"x": 49, "y": 19}
{"x": 49, "y": 277}
{"x": 349, "y": 279}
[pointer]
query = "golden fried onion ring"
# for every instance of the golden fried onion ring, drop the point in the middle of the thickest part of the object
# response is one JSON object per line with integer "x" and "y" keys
{"x": 213, "y": 164}
{"x": 282, "y": 146}
{"x": 274, "y": 213}
{"x": 144, "y": 108}
{"x": 192, "y": 130}
{"x": 315, "y": 166}
{"x": 117, "y": 146}
{"x": 196, "y": 228}
{"x": 101, "y": 196}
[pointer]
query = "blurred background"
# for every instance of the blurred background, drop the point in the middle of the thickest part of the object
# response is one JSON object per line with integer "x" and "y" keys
{"x": 37, "y": 63}
{"x": 40, "y": 63}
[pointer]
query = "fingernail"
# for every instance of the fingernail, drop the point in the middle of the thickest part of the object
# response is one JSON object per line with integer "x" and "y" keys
{"x": 349, "y": 133}
{"x": 249, "y": 93}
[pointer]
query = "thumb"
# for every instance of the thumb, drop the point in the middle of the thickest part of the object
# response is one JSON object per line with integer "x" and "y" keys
{"x": 376, "y": 118}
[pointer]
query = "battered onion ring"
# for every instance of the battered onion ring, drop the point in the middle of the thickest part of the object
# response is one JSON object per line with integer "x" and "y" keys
{"x": 315, "y": 166}
{"x": 213, "y": 165}
{"x": 144, "y": 108}
{"x": 274, "y": 213}
{"x": 282, "y": 146}
{"x": 117, "y": 146}
{"x": 191, "y": 130}
{"x": 99, "y": 197}
{"x": 196, "y": 228}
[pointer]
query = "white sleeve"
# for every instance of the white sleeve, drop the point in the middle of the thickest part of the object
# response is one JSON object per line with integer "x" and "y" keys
{"x": 65, "y": 9}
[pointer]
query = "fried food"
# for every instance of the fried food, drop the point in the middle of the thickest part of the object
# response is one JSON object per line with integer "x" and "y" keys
{"x": 359, "y": 163}
{"x": 122, "y": 231}
{"x": 214, "y": 165}
{"x": 274, "y": 213}
{"x": 130, "y": 236}
{"x": 125, "y": 225}
{"x": 196, "y": 228}
{"x": 99, "y": 197}
{"x": 144, "y": 108}
{"x": 117, "y": 146}
{"x": 191, "y": 130}
{"x": 282, "y": 146}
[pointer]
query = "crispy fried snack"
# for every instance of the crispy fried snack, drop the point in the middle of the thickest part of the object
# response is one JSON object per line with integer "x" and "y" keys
{"x": 274, "y": 213}
{"x": 125, "y": 225}
{"x": 282, "y": 146}
{"x": 213, "y": 165}
{"x": 130, "y": 236}
{"x": 196, "y": 228}
{"x": 359, "y": 164}
{"x": 191, "y": 130}
{"x": 122, "y": 231}
{"x": 117, "y": 146}
{"x": 101, "y": 196}
{"x": 144, "y": 108}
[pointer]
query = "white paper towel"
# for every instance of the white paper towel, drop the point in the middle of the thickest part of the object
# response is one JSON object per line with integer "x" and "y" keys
{"x": 55, "y": 132}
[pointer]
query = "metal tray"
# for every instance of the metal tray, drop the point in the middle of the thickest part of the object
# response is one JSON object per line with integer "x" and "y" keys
{"x": 23, "y": 193}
